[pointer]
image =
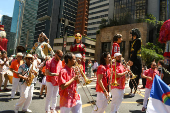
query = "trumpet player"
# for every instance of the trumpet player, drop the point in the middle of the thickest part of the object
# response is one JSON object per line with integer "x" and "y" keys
{"x": 26, "y": 91}
{"x": 102, "y": 89}
{"x": 69, "y": 98}
{"x": 118, "y": 91}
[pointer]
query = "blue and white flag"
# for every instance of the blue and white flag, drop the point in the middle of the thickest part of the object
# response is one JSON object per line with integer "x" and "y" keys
{"x": 159, "y": 101}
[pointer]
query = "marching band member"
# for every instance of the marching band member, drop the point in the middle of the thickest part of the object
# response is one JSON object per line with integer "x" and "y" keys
{"x": 117, "y": 39}
{"x": 149, "y": 74}
{"x": 78, "y": 47}
{"x": 69, "y": 98}
{"x": 4, "y": 63}
{"x": 118, "y": 91}
{"x": 41, "y": 48}
{"x": 53, "y": 67}
{"x": 14, "y": 68}
{"x": 135, "y": 59}
{"x": 103, "y": 75}
{"x": 26, "y": 91}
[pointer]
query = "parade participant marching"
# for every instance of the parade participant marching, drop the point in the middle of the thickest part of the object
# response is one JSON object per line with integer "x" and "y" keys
{"x": 118, "y": 91}
{"x": 78, "y": 47}
{"x": 117, "y": 39}
{"x": 149, "y": 74}
{"x": 135, "y": 59}
{"x": 41, "y": 48}
{"x": 14, "y": 68}
{"x": 53, "y": 67}
{"x": 4, "y": 64}
{"x": 102, "y": 89}
{"x": 26, "y": 91}
{"x": 69, "y": 98}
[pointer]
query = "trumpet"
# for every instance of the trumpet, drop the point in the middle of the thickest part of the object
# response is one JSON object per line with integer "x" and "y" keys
{"x": 133, "y": 75}
{"x": 115, "y": 82}
{"x": 87, "y": 81}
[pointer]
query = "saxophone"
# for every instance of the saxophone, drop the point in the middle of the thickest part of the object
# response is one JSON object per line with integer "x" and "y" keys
{"x": 31, "y": 76}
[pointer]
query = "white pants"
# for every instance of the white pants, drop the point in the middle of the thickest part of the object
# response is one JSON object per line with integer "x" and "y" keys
{"x": 15, "y": 84}
{"x": 52, "y": 92}
{"x": 147, "y": 94}
{"x": 117, "y": 98}
{"x": 76, "y": 109}
{"x": 26, "y": 96}
{"x": 101, "y": 103}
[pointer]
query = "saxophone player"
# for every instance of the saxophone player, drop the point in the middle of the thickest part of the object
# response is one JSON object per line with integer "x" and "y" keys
{"x": 26, "y": 91}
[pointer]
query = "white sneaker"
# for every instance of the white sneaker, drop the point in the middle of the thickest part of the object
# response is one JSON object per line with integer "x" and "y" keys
{"x": 53, "y": 111}
{"x": 27, "y": 111}
{"x": 16, "y": 111}
{"x": 132, "y": 95}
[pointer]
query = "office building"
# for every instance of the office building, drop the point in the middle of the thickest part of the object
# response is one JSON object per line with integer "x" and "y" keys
{"x": 6, "y": 21}
{"x": 82, "y": 17}
{"x": 98, "y": 9}
{"x": 27, "y": 22}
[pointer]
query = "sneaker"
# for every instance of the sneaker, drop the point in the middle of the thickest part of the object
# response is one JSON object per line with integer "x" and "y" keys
{"x": 143, "y": 109}
{"x": 44, "y": 95}
{"x": 132, "y": 95}
{"x": 53, "y": 111}
{"x": 41, "y": 97}
{"x": 17, "y": 94}
{"x": 16, "y": 110}
{"x": 27, "y": 111}
{"x": 6, "y": 89}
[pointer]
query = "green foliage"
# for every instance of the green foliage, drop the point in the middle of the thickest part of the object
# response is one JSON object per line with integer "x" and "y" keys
{"x": 152, "y": 46}
{"x": 149, "y": 55}
{"x": 28, "y": 51}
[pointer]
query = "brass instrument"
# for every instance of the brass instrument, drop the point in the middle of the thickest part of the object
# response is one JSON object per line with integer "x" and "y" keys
{"x": 30, "y": 76}
{"x": 115, "y": 82}
{"x": 87, "y": 81}
{"x": 133, "y": 75}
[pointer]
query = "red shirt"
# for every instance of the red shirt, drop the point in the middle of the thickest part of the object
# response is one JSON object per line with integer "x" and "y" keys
{"x": 115, "y": 49}
{"x": 102, "y": 70}
{"x": 121, "y": 81}
{"x": 54, "y": 67}
{"x": 150, "y": 73}
{"x": 69, "y": 95}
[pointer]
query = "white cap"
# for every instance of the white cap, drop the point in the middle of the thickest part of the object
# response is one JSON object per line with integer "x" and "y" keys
{"x": 78, "y": 55}
{"x": 20, "y": 54}
{"x": 117, "y": 54}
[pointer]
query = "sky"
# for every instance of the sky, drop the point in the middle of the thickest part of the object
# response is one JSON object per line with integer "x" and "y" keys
{"x": 6, "y": 7}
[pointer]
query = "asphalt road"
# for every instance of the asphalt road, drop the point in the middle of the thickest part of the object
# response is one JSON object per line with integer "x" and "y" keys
{"x": 129, "y": 104}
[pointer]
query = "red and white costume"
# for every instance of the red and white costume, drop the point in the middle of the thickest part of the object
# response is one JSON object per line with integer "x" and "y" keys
{"x": 117, "y": 91}
{"x": 3, "y": 40}
{"x": 69, "y": 98}
{"x": 79, "y": 48}
{"x": 150, "y": 73}
{"x": 102, "y": 102}
{"x": 52, "y": 83}
{"x": 115, "y": 49}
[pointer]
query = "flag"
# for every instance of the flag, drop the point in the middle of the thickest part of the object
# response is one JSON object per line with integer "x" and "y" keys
{"x": 159, "y": 101}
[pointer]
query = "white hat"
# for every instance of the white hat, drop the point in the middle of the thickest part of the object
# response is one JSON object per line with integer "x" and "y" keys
{"x": 29, "y": 56}
{"x": 117, "y": 54}
{"x": 19, "y": 54}
{"x": 78, "y": 55}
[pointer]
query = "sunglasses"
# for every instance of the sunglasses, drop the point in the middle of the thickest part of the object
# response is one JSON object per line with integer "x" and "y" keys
{"x": 59, "y": 56}
{"x": 29, "y": 58}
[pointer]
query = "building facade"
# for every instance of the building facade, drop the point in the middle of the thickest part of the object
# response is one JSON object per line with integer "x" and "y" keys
{"x": 82, "y": 17}
{"x": 98, "y": 9}
{"x": 52, "y": 16}
{"x": 27, "y": 22}
{"x": 6, "y": 21}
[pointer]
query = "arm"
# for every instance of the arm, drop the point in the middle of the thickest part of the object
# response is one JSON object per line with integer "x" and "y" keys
{"x": 121, "y": 74}
{"x": 145, "y": 75}
{"x": 47, "y": 72}
{"x": 12, "y": 70}
{"x": 50, "y": 49}
{"x": 64, "y": 86}
{"x": 20, "y": 70}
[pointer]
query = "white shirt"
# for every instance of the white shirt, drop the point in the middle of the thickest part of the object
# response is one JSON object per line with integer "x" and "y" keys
{"x": 4, "y": 68}
{"x": 95, "y": 65}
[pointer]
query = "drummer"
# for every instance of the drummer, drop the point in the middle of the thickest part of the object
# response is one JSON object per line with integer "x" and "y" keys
{"x": 14, "y": 68}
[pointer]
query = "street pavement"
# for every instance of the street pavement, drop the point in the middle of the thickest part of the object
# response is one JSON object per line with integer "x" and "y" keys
{"x": 129, "y": 104}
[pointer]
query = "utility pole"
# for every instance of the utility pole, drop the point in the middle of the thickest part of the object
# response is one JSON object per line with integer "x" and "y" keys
{"x": 65, "y": 35}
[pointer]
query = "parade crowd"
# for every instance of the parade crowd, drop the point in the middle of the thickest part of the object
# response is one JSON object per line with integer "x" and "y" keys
{"x": 59, "y": 74}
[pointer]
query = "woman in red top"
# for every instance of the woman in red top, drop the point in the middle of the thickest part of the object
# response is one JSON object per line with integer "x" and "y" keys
{"x": 103, "y": 75}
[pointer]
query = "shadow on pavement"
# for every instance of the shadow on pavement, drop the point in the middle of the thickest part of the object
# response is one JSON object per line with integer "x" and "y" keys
{"x": 128, "y": 96}
{"x": 135, "y": 111}
{"x": 140, "y": 102}
{"x": 5, "y": 99}
{"x": 10, "y": 111}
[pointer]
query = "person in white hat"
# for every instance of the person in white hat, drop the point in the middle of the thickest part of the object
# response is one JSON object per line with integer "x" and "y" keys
{"x": 14, "y": 68}
{"x": 26, "y": 91}
{"x": 118, "y": 91}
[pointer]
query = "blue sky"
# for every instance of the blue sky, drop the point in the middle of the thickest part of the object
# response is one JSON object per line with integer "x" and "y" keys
{"x": 6, "y": 7}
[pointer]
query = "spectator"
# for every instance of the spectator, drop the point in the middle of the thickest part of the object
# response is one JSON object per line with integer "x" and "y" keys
{"x": 89, "y": 68}
{"x": 95, "y": 66}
